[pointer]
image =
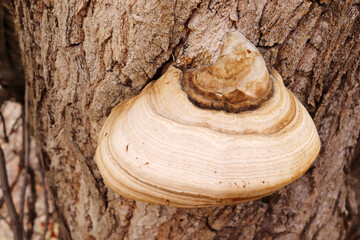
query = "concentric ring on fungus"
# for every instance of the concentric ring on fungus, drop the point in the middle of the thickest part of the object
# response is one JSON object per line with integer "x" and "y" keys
{"x": 218, "y": 135}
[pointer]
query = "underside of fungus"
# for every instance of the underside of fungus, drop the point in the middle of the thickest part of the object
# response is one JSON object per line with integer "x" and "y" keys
{"x": 217, "y": 135}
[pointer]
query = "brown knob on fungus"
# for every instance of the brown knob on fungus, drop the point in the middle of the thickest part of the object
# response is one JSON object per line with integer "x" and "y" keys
{"x": 218, "y": 135}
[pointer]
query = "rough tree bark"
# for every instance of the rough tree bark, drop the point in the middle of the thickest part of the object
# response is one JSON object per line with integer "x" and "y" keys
{"x": 83, "y": 57}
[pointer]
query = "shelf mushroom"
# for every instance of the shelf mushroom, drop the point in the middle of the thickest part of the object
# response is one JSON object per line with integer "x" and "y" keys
{"x": 217, "y": 135}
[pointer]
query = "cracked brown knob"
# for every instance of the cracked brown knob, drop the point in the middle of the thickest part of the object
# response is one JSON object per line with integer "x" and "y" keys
{"x": 218, "y": 135}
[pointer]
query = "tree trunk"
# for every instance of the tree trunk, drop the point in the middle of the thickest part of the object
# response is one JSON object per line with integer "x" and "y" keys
{"x": 83, "y": 57}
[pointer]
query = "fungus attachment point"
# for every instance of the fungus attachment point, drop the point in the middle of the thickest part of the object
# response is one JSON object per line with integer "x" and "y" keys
{"x": 217, "y": 135}
{"x": 239, "y": 80}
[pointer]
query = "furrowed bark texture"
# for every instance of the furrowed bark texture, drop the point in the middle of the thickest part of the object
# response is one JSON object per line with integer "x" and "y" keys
{"x": 83, "y": 57}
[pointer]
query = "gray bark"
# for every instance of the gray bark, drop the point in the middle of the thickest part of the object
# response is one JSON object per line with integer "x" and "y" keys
{"x": 81, "y": 58}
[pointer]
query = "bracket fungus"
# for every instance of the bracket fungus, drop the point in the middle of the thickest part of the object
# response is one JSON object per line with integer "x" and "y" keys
{"x": 217, "y": 135}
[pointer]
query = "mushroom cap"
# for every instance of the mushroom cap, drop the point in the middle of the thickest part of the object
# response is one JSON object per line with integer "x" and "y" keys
{"x": 165, "y": 147}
